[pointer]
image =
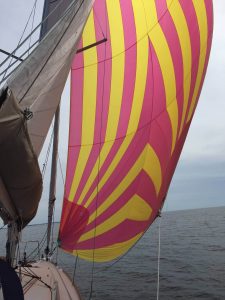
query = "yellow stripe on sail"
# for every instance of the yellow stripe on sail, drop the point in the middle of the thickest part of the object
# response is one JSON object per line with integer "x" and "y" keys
{"x": 153, "y": 168}
{"x": 200, "y": 11}
{"x": 180, "y": 23}
{"x": 108, "y": 253}
{"x": 118, "y": 62}
{"x": 162, "y": 50}
{"x": 139, "y": 91}
{"x": 136, "y": 209}
{"x": 117, "y": 80}
{"x": 147, "y": 156}
{"x": 89, "y": 100}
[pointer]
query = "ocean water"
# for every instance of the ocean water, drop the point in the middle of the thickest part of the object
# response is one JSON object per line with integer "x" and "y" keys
{"x": 192, "y": 264}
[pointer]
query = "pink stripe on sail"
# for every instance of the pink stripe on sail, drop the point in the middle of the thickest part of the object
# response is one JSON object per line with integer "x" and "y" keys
{"x": 169, "y": 29}
{"x": 76, "y": 101}
{"x": 173, "y": 161}
{"x": 105, "y": 69}
{"x": 161, "y": 7}
{"x": 158, "y": 142}
{"x": 102, "y": 30}
{"x": 192, "y": 22}
{"x": 76, "y": 107}
{"x": 209, "y": 12}
{"x": 161, "y": 133}
{"x": 147, "y": 108}
{"x": 73, "y": 154}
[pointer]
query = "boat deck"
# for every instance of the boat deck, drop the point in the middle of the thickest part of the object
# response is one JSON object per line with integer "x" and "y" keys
{"x": 43, "y": 280}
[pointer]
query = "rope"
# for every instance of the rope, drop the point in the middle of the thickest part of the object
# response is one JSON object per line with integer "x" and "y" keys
{"x": 16, "y": 61}
{"x": 158, "y": 269}
{"x": 97, "y": 18}
{"x": 47, "y": 155}
{"x": 96, "y": 202}
{"x": 75, "y": 268}
{"x": 61, "y": 171}
{"x": 41, "y": 244}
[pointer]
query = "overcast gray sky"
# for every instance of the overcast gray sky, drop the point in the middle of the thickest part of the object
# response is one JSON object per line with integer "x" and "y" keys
{"x": 199, "y": 180}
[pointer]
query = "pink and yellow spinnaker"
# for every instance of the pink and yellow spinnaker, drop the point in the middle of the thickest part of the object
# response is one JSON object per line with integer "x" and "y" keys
{"x": 132, "y": 102}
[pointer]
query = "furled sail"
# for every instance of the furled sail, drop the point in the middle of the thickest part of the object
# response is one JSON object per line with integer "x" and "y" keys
{"x": 132, "y": 102}
{"x": 27, "y": 105}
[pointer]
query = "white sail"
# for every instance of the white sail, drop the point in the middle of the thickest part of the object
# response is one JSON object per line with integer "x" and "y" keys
{"x": 27, "y": 105}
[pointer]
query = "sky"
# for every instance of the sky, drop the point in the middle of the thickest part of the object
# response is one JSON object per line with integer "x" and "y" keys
{"x": 199, "y": 180}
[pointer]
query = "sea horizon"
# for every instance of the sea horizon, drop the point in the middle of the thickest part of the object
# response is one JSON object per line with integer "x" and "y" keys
{"x": 192, "y": 248}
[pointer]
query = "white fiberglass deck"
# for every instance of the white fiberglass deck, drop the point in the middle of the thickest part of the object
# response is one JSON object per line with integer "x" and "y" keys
{"x": 43, "y": 280}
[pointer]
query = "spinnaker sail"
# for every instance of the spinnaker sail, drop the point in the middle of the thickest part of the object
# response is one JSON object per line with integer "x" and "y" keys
{"x": 132, "y": 102}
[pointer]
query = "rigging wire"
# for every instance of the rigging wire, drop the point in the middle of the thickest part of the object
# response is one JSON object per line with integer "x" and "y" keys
{"x": 42, "y": 242}
{"x": 32, "y": 25}
{"x": 23, "y": 42}
{"x": 18, "y": 45}
{"x": 158, "y": 265}
{"x": 33, "y": 31}
{"x": 47, "y": 155}
{"x": 13, "y": 63}
{"x": 61, "y": 171}
{"x": 75, "y": 268}
{"x": 96, "y": 202}
{"x": 56, "y": 45}
{"x": 2, "y": 226}
{"x": 97, "y": 19}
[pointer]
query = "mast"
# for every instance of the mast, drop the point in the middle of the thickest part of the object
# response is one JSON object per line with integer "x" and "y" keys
{"x": 51, "y": 202}
{"x": 46, "y": 26}
{"x": 12, "y": 241}
{"x": 53, "y": 179}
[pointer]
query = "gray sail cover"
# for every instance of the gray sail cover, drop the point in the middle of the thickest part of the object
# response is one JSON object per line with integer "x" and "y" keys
{"x": 36, "y": 86}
